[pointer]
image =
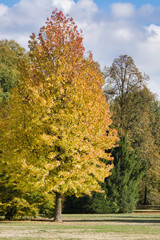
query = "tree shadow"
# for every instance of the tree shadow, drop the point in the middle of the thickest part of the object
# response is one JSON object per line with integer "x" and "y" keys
{"x": 120, "y": 219}
{"x": 111, "y": 219}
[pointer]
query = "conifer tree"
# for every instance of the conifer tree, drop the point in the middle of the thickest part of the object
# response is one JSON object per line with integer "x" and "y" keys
{"x": 122, "y": 186}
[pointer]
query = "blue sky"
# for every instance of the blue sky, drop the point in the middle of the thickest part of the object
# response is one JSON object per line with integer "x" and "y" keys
{"x": 105, "y": 4}
{"x": 9, "y": 3}
{"x": 100, "y": 3}
{"x": 110, "y": 28}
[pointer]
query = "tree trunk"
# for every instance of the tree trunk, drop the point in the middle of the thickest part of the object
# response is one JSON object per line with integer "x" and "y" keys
{"x": 145, "y": 196}
{"x": 58, "y": 208}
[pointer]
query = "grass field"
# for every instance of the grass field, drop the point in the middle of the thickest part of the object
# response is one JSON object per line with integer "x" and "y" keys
{"x": 135, "y": 226}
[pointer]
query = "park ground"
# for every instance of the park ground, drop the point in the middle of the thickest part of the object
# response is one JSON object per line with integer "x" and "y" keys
{"x": 135, "y": 226}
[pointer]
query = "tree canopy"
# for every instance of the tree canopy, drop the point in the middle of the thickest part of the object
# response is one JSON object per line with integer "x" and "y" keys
{"x": 135, "y": 115}
{"x": 56, "y": 127}
{"x": 10, "y": 53}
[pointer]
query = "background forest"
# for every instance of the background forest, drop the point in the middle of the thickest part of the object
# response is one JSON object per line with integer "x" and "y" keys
{"x": 135, "y": 179}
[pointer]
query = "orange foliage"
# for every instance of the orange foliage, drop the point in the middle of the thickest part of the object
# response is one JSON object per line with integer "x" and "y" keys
{"x": 66, "y": 114}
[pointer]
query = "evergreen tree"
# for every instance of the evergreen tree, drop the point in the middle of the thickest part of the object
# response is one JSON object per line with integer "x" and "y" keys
{"x": 122, "y": 186}
{"x": 86, "y": 204}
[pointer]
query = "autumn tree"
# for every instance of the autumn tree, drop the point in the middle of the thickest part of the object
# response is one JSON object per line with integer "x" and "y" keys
{"x": 154, "y": 194}
{"x": 141, "y": 118}
{"x": 146, "y": 135}
{"x": 135, "y": 115}
{"x": 121, "y": 79}
{"x": 58, "y": 117}
{"x": 10, "y": 53}
{"x": 15, "y": 202}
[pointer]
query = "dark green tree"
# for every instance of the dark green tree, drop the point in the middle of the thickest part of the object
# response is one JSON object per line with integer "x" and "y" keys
{"x": 86, "y": 204}
{"x": 122, "y": 186}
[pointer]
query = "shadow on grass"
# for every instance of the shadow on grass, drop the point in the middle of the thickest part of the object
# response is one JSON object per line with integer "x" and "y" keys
{"x": 118, "y": 219}
{"x": 91, "y": 220}
{"x": 122, "y": 219}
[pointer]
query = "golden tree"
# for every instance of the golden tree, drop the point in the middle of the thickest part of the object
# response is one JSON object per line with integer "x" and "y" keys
{"x": 59, "y": 116}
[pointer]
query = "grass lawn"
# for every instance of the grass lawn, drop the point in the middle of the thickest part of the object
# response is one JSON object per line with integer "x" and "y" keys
{"x": 135, "y": 226}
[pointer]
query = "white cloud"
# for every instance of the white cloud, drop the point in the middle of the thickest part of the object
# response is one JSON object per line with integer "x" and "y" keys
{"x": 146, "y": 10}
{"x": 149, "y": 51}
{"x": 123, "y": 34}
{"x": 3, "y": 9}
{"x": 123, "y": 10}
{"x": 107, "y": 35}
{"x": 65, "y": 5}
{"x": 84, "y": 12}
{"x": 89, "y": 5}
{"x": 154, "y": 34}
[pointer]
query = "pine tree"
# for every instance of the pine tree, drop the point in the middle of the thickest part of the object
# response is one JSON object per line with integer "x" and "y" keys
{"x": 122, "y": 186}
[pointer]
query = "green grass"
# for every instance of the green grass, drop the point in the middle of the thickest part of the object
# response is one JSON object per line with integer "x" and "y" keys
{"x": 135, "y": 226}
